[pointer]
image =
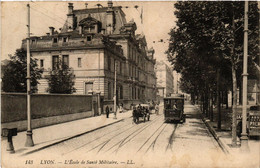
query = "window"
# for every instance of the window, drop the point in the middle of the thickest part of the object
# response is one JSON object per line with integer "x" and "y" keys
{"x": 130, "y": 70}
{"x": 88, "y": 88}
{"x": 108, "y": 63}
{"x": 120, "y": 67}
{"x": 133, "y": 93}
{"x": 65, "y": 60}
{"x": 33, "y": 41}
{"x": 41, "y": 63}
{"x": 89, "y": 38}
{"x": 121, "y": 92}
{"x": 55, "y": 62}
{"x": 55, "y": 40}
{"x": 109, "y": 91}
{"x": 65, "y": 39}
{"x": 79, "y": 62}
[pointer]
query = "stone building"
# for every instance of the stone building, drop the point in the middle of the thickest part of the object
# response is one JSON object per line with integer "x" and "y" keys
{"x": 91, "y": 42}
{"x": 164, "y": 79}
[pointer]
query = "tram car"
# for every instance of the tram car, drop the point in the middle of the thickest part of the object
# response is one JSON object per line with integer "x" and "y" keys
{"x": 174, "y": 108}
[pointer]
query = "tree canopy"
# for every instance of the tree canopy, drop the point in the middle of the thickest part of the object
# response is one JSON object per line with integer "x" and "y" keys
{"x": 206, "y": 47}
{"x": 15, "y": 72}
{"x": 61, "y": 80}
{"x": 209, "y": 35}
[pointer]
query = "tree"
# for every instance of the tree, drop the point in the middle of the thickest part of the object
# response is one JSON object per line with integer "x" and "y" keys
{"x": 209, "y": 36}
{"x": 15, "y": 72}
{"x": 61, "y": 80}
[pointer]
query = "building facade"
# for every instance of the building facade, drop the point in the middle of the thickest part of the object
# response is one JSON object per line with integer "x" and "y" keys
{"x": 93, "y": 42}
{"x": 164, "y": 79}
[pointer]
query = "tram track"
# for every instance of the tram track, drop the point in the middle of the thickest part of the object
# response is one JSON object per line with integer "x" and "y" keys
{"x": 150, "y": 137}
{"x": 108, "y": 133}
{"x": 169, "y": 146}
{"x": 154, "y": 141}
{"x": 115, "y": 134}
{"x": 122, "y": 142}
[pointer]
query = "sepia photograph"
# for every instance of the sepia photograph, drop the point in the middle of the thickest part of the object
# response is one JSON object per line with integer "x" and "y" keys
{"x": 130, "y": 84}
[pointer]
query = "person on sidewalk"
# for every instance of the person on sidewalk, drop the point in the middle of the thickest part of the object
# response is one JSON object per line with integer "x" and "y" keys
{"x": 157, "y": 109}
{"x": 107, "y": 111}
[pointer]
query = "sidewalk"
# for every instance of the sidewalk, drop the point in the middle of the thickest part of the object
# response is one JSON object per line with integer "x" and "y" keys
{"x": 224, "y": 136}
{"x": 54, "y": 134}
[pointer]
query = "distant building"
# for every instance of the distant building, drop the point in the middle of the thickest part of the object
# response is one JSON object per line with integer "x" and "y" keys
{"x": 164, "y": 79}
{"x": 92, "y": 41}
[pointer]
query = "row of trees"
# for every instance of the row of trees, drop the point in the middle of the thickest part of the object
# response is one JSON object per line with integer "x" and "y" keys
{"x": 60, "y": 80}
{"x": 206, "y": 47}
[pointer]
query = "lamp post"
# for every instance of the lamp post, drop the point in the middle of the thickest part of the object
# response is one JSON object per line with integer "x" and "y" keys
{"x": 244, "y": 138}
{"x": 115, "y": 107}
{"x": 98, "y": 92}
{"x": 29, "y": 140}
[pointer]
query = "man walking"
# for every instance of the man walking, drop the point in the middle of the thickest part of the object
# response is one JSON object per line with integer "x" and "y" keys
{"x": 107, "y": 111}
{"x": 157, "y": 109}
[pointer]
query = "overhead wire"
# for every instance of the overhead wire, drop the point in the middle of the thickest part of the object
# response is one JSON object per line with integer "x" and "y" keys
{"x": 45, "y": 14}
{"x": 56, "y": 16}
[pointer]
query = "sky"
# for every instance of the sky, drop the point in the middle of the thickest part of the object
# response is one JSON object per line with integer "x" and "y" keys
{"x": 158, "y": 19}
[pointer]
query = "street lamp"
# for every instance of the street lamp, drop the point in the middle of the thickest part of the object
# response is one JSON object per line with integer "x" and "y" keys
{"x": 244, "y": 138}
{"x": 29, "y": 140}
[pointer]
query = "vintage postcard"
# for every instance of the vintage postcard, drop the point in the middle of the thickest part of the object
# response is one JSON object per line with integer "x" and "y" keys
{"x": 150, "y": 84}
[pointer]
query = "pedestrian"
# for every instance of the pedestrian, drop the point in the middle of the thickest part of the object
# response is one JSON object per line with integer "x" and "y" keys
{"x": 156, "y": 109}
{"x": 107, "y": 111}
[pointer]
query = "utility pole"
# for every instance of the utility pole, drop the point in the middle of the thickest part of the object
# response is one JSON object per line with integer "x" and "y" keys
{"x": 29, "y": 140}
{"x": 244, "y": 138}
{"x": 115, "y": 107}
{"x": 98, "y": 93}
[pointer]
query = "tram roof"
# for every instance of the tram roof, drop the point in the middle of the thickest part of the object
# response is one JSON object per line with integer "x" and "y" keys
{"x": 174, "y": 97}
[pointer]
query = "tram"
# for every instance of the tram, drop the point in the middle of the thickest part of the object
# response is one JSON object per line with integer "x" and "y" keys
{"x": 174, "y": 108}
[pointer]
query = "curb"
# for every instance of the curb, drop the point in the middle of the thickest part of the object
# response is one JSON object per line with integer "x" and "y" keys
{"x": 214, "y": 133}
{"x": 68, "y": 138}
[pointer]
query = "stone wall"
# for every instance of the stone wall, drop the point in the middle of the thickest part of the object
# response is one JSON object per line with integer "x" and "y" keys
{"x": 14, "y": 107}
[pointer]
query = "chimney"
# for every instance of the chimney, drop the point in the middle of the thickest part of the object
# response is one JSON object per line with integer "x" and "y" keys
{"x": 110, "y": 18}
{"x": 110, "y": 4}
{"x": 70, "y": 8}
{"x": 70, "y": 17}
{"x": 51, "y": 30}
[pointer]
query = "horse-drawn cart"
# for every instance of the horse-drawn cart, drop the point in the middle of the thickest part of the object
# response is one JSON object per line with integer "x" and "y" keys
{"x": 141, "y": 111}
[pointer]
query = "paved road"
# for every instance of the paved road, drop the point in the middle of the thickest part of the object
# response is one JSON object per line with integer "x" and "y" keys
{"x": 154, "y": 143}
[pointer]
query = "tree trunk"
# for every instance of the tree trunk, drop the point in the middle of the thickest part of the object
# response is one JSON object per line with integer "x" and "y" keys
{"x": 206, "y": 103}
{"x": 226, "y": 100}
{"x": 234, "y": 107}
{"x": 211, "y": 106}
{"x": 218, "y": 99}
